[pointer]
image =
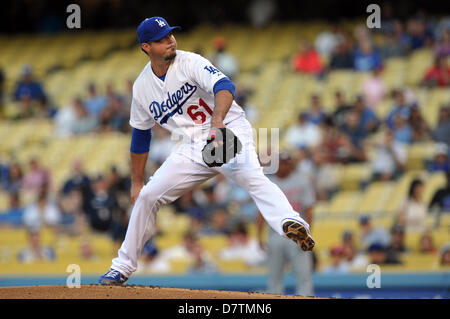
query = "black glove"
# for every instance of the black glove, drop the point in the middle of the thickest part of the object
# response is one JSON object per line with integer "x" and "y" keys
{"x": 221, "y": 147}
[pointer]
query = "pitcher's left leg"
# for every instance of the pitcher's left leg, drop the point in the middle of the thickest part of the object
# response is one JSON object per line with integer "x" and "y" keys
{"x": 247, "y": 172}
{"x": 271, "y": 202}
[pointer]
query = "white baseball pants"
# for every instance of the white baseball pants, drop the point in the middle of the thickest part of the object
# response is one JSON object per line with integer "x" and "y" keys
{"x": 183, "y": 170}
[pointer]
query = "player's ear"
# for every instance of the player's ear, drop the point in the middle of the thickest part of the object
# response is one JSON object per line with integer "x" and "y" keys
{"x": 145, "y": 47}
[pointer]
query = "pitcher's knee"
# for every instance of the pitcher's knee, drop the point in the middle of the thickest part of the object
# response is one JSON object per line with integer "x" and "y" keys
{"x": 153, "y": 194}
{"x": 149, "y": 195}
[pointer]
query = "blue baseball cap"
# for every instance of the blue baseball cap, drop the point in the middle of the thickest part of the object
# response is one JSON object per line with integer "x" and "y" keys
{"x": 153, "y": 29}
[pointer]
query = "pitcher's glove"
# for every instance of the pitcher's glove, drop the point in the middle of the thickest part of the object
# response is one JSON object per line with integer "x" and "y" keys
{"x": 221, "y": 147}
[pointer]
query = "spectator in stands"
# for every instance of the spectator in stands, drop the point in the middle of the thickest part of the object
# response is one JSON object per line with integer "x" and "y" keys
{"x": 95, "y": 103}
{"x": 35, "y": 251}
{"x": 224, "y": 60}
{"x": 342, "y": 56}
{"x": 444, "y": 253}
{"x": 190, "y": 250}
{"x": 66, "y": 119}
{"x": 381, "y": 255}
{"x": 442, "y": 47}
{"x": 361, "y": 33}
{"x": 74, "y": 119}
{"x": 4, "y": 173}
{"x": 36, "y": 177}
{"x": 400, "y": 107}
{"x": 442, "y": 131}
{"x": 111, "y": 94}
{"x": 441, "y": 198}
{"x": 242, "y": 247}
{"x": 119, "y": 188}
{"x": 374, "y": 89}
{"x": 413, "y": 211}
{"x": 418, "y": 33}
{"x": 420, "y": 130}
{"x": 29, "y": 93}
{"x": 44, "y": 213}
{"x": 389, "y": 158}
{"x": 325, "y": 178}
{"x": 307, "y": 60}
{"x": 315, "y": 114}
{"x": 353, "y": 258}
{"x": 348, "y": 245}
{"x": 241, "y": 197}
{"x": 442, "y": 25}
{"x": 118, "y": 184}
{"x": 151, "y": 261}
{"x": 365, "y": 57}
{"x": 371, "y": 235}
{"x": 397, "y": 244}
{"x": 426, "y": 244}
{"x": 14, "y": 178}
{"x": 341, "y": 109}
{"x": 205, "y": 196}
{"x": 302, "y": 134}
{"x": 354, "y": 148}
{"x": 113, "y": 117}
{"x": 201, "y": 263}
{"x": 438, "y": 75}
{"x": 305, "y": 166}
{"x": 242, "y": 98}
{"x": 83, "y": 122}
{"x": 13, "y": 216}
{"x": 338, "y": 263}
{"x": 402, "y": 130}
{"x": 327, "y": 40}
{"x": 368, "y": 120}
{"x": 218, "y": 224}
{"x": 186, "y": 202}
{"x": 336, "y": 144}
{"x": 79, "y": 181}
{"x": 197, "y": 221}
{"x": 396, "y": 42}
{"x": 74, "y": 220}
{"x": 441, "y": 162}
{"x": 102, "y": 206}
{"x": 222, "y": 190}
{"x": 279, "y": 250}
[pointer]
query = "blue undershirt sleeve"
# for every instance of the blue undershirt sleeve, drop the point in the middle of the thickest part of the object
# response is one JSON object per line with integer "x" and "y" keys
{"x": 224, "y": 84}
{"x": 140, "y": 141}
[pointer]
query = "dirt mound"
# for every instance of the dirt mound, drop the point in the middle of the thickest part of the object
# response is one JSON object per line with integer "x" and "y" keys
{"x": 127, "y": 292}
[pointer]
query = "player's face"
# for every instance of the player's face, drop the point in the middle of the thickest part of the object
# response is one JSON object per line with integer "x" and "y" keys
{"x": 165, "y": 48}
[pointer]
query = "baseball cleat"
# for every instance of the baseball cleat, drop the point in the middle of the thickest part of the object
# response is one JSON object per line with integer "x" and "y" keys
{"x": 299, "y": 233}
{"x": 112, "y": 278}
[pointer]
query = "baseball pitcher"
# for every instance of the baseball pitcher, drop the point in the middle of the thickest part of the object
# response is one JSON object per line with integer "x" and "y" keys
{"x": 184, "y": 93}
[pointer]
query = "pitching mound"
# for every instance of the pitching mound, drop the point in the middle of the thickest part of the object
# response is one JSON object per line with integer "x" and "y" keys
{"x": 128, "y": 292}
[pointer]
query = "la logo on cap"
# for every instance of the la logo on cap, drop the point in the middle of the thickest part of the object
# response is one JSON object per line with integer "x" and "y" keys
{"x": 160, "y": 23}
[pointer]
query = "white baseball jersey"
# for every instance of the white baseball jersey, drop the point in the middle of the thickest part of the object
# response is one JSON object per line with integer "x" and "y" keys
{"x": 184, "y": 101}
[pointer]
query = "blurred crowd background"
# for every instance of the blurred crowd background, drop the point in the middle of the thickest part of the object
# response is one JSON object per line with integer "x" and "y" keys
{"x": 364, "y": 119}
